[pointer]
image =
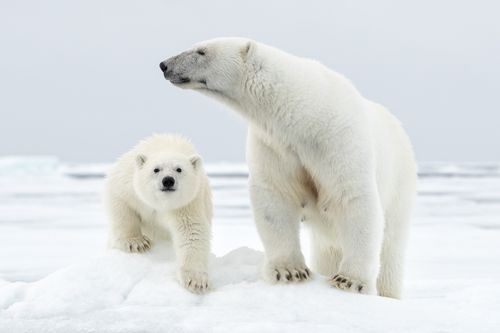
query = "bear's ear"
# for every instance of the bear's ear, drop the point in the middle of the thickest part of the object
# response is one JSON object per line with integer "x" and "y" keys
{"x": 248, "y": 50}
{"x": 195, "y": 160}
{"x": 140, "y": 160}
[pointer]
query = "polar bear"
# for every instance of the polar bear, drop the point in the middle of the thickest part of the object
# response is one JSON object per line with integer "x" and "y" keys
{"x": 318, "y": 152}
{"x": 160, "y": 189}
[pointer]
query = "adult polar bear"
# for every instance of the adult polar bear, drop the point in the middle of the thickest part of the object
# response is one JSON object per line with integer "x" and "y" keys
{"x": 318, "y": 152}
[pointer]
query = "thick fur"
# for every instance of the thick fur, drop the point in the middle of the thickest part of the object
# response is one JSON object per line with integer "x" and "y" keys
{"x": 141, "y": 210}
{"x": 318, "y": 152}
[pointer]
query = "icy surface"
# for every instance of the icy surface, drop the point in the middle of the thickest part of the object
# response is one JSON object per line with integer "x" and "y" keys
{"x": 56, "y": 276}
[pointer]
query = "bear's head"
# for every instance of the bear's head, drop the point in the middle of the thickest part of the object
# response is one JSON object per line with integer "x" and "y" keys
{"x": 167, "y": 181}
{"x": 216, "y": 66}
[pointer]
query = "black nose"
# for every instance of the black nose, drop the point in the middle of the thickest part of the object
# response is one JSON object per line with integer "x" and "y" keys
{"x": 163, "y": 67}
{"x": 168, "y": 182}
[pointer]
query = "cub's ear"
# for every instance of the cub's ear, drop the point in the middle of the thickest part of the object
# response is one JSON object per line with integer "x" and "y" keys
{"x": 248, "y": 50}
{"x": 195, "y": 160}
{"x": 140, "y": 160}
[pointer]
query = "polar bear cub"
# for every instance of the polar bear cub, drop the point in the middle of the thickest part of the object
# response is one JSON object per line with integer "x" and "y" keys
{"x": 160, "y": 188}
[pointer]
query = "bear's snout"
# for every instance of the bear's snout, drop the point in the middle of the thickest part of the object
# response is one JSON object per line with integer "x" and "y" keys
{"x": 168, "y": 182}
{"x": 175, "y": 69}
{"x": 163, "y": 66}
{"x": 167, "y": 69}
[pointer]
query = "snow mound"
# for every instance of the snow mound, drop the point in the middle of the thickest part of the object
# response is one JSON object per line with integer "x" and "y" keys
{"x": 121, "y": 292}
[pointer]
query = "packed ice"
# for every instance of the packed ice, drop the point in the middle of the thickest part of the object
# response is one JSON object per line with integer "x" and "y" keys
{"x": 57, "y": 276}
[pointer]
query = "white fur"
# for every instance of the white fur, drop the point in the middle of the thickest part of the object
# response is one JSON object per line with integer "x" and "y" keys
{"x": 139, "y": 212}
{"x": 318, "y": 152}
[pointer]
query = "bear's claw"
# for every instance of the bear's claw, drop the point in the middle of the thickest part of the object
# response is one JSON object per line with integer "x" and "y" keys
{"x": 136, "y": 244}
{"x": 285, "y": 274}
{"x": 345, "y": 283}
{"x": 194, "y": 281}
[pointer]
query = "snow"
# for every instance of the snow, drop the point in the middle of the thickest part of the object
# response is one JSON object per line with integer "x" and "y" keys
{"x": 57, "y": 276}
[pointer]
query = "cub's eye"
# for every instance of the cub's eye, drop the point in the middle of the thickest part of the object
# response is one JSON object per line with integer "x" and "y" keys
{"x": 200, "y": 52}
{"x": 156, "y": 170}
{"x": 179, "y": 170}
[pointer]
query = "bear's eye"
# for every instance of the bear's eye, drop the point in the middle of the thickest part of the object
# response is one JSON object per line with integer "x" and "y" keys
{"x": 201, "y": 52}
{"x": 179, "y": 170}
{"x": 156, "y": 170}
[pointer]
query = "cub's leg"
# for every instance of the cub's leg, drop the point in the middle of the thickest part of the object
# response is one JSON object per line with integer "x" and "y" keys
{"x": 191, "y": 238}
{"x": 125, "y": 228}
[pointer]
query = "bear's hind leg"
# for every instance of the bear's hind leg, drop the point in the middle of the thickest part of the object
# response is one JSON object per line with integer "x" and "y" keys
{"x": 360, "y": 228}
{"x": 390, "y": 278}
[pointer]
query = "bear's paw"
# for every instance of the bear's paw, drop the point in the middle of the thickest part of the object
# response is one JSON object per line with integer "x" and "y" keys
{"x": 193, "y": 280}
{"x": 135, "y": 244}
{"x": 286, "y": 273}
{"x": 343, "y": 282}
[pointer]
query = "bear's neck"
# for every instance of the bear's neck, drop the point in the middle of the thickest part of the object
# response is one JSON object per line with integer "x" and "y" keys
{"x": 260, "y": 97}
{"x": 254, "y": 97}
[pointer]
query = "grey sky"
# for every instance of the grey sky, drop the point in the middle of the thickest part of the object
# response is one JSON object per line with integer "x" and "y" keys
{"x": 80, "y": 79}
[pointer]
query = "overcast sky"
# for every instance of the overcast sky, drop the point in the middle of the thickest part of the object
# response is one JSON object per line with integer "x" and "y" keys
{"x": 80, "y": 79}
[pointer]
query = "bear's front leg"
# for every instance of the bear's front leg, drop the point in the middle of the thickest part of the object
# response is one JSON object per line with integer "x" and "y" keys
{"x": 191, "y": 237}
{"x": 277, "y": 219}
{"x": 125, "y": 228}
{"x": 360, "y": 227}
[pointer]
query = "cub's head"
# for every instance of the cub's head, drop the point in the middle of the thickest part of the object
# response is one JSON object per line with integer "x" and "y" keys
{"x": 167, "y": 181}
{"x": 216, "y": 65}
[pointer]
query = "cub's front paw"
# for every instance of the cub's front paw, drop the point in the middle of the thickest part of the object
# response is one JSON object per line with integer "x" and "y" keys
{"x": 134, "y": 244}
{"x": 343, "y": 282}
{"x": 193, "y": 280}
{"x": 284, "y": 272}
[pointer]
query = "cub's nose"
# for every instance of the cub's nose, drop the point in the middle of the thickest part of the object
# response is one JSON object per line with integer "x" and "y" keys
{"x": 168, "y": 181}
{"x": 163, "y": 67}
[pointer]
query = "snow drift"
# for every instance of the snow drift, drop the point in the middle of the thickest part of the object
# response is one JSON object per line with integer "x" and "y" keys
{"x": 120, "y": 292}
